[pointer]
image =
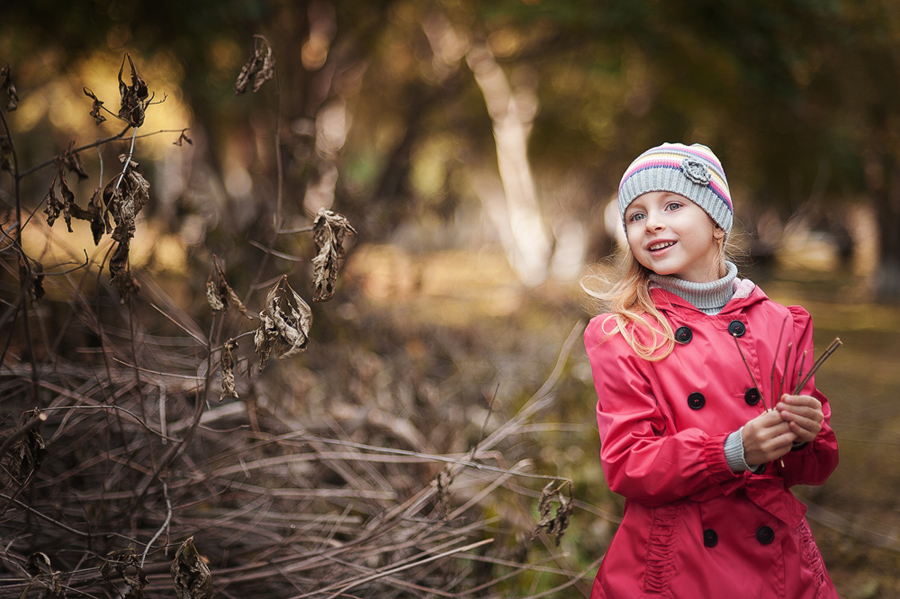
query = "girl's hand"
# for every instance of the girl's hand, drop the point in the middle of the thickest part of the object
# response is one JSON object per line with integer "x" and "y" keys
{"x": 766, "y": 438}
{"x": 803, "y": 414}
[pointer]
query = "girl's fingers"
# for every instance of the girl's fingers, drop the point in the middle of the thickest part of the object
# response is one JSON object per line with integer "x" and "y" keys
{"x": 806, "y": 428}
{"x": 803, "y": 434}
{"x": 801, "y": 402}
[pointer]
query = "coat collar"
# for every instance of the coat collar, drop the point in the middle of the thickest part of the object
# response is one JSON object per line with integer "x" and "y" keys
{"x": 746, "y": 294}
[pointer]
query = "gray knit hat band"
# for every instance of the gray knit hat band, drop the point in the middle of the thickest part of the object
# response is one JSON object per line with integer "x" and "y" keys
{"x": 690, "y": 171}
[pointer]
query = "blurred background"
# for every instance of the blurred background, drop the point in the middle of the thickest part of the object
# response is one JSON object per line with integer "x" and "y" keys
{"x": 475, "y": 148}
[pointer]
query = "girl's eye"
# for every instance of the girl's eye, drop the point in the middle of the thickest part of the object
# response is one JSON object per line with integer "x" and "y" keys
{"x": 635, "y": 217}
{"x": 674, "y": 206}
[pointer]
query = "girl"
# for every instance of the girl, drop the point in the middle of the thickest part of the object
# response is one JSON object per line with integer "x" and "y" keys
{"x": 695, "y": 372}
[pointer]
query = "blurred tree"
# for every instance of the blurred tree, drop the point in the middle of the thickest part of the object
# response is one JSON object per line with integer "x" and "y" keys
{"x": 380, "y": 108}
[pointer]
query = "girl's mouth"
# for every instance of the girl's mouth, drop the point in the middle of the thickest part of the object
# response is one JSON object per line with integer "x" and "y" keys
{"x": 660, "y": 246}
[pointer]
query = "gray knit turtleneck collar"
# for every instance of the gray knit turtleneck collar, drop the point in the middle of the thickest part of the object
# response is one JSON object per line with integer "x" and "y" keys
{"x": 709, "y": 298}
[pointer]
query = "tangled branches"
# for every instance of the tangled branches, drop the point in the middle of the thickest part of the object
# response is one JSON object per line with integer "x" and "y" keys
{"x": 140, "y": 490}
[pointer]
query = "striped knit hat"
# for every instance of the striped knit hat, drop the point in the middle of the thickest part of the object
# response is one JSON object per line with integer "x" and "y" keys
{"x": 691, "y": 171}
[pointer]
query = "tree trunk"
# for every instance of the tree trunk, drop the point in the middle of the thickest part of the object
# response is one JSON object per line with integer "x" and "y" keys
{"x": 529, "y": 244}
{"x": 883, "y": 181}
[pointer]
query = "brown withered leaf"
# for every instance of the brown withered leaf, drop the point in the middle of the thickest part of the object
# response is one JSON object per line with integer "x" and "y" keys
{"x": 96, "y": 106}
{"x": 227, "y": 365}
{"x": 37, "y": 280}
{"x": 555, "y": 525}
{"x": 214, "y": 298}
{"x": 125, "y": 283}
{"x": 99, "y": 216}
{"x": 28, "y": 452}
{"x": 219, "y": 293}
{"x": 7, "y": 85}
{"x": 42, "y": 575}
{"x": 65, "y": 205}
{"x": 72, "y": 161}
{"x": 134, "y": 96}
{"x": 329, "y": 230}
{"x": 190, "y": 573}
{"x": 124, "y": 202}
{"x": 38, "y": 563}
{"x": 259, "y": 68}
{"x": 6, "y": 151}
{"x": 70, "y": 208}
{"x": 126, "y": 195}
{"x": 54, "y": 205}
{"x": 284, "y": 324}
{"x": 127, "y": 564}
{"x": 442, "y": 483}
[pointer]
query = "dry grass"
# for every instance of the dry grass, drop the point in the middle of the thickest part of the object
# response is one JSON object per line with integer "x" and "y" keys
{"x": 365, "y": 482}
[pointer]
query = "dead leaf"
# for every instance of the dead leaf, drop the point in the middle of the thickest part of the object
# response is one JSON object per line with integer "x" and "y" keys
{"x": 127, "y": 564}
{"x": 28, "y": 452}
{"x": 190, "y": 573}
{"x": 42, "y": 575}
{"x": 134, "y": 96}
{"x": 284, "y": 324}
{"x": 7, "y": 85}
{"x": 259, "y": 68}
{"x": 219, "y": 293}
{"x": 555, "y": 525}
{"x": 72, "y": 161}
{"x": 126, "y": 284}
{"x": 65, "y": 205}
{"x": 329, "y": 230}
{"x": 99, "y": 217}
{"x": 227, "y": 365}
{"x": 442, "y": 484}
{"x": 6, "y": 151}
{"x": 96, "y": 107}
{"x": 38, "y": 563}
{"x": 54, "y": 205}
{"x": 37, "y": 280}
{"x": 124, "y": 203}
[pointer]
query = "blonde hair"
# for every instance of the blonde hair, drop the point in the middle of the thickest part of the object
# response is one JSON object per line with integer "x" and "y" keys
{"x": 632, "y": 312}
{"x": 631, "y": 309}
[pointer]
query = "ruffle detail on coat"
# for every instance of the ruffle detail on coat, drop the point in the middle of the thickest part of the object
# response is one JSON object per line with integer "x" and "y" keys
{"x": 661, "y": 548}
{"x": 813, "y": 559}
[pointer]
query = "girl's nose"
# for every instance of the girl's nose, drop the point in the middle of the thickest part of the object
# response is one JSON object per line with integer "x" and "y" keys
{"x": 653, "y": 222}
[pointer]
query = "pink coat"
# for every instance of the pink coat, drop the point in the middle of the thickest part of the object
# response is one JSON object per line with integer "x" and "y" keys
{"x": 693, "y": 528}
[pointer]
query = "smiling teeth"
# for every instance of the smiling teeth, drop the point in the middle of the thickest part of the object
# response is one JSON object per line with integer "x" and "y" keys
{"x": 659, "y": 246}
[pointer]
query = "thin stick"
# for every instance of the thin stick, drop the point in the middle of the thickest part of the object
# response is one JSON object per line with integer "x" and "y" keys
{"x": 777, "y": 349}
{"x": 164, "y": 526}
{"x": 787, "y": 361}
{"x": 393, "y": 571}
{"x": 802, "y": 365}
{"x": 750, "y": 372}
{"x": 830, "y": 350}
{"x": 127, "y": 160}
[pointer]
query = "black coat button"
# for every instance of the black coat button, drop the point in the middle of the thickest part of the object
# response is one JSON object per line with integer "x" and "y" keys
{"x": 710, "y": 538}
{"x": 683, "y": 335}
{"x": 752, "y": 396}
{"x": 696, "y": 400}
{"x": 765, "y": 535}
{"x": 737, "y": 328}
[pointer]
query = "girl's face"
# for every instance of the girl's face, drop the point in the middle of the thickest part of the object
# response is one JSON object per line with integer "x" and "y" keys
{"x": 671, "y": 235}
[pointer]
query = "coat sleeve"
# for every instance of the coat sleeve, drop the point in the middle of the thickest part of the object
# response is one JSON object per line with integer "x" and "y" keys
{"x": 643, "y": 458}
{"x": 813, "y": 463}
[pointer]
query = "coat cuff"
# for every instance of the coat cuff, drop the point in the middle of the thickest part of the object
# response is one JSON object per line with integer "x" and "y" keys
{"x": 716, "y": 462}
